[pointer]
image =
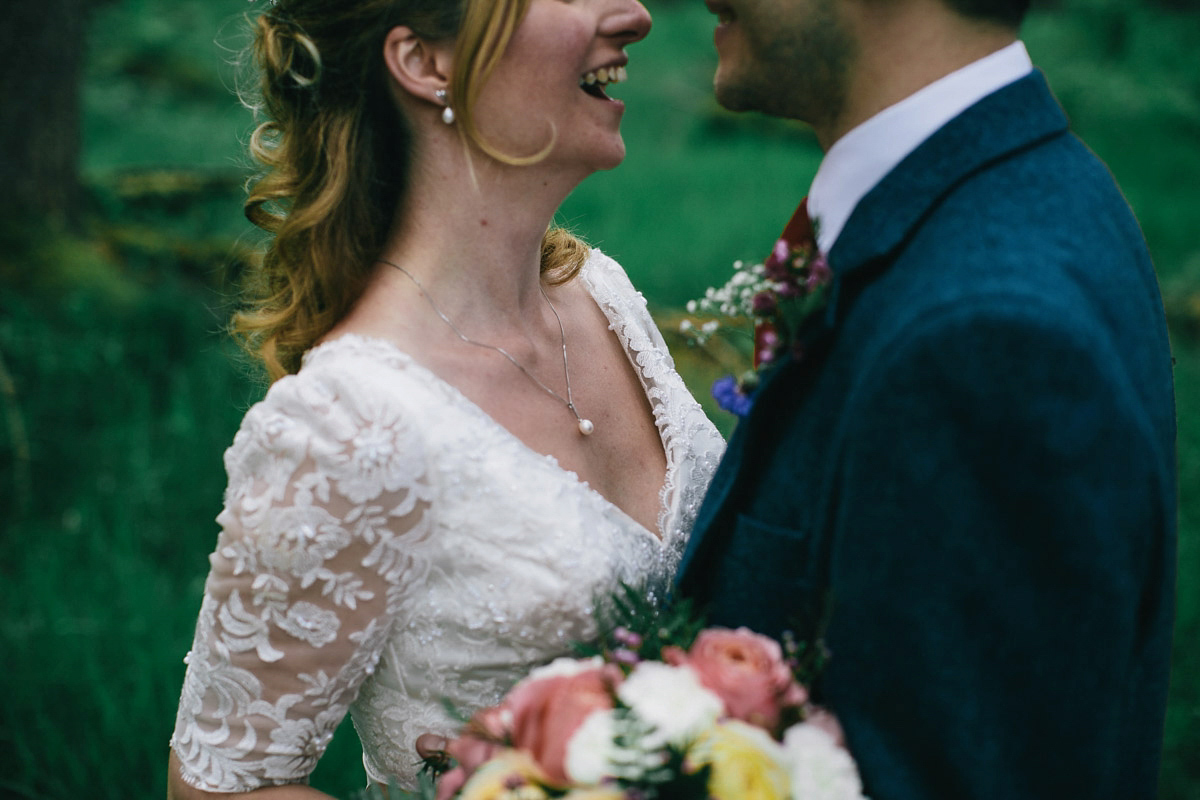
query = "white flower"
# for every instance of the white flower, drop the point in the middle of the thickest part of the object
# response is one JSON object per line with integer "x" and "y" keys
{"x": 820, "y": 769}
{"x": 378, "y": 456}
{"x": 296, "y": 745}
{"x": 672, "y": 700}
{"x": 691, "y": 306}
{"x": 591, "y": 750}
{"x": 564, "y": 667}
{"x": 310, "y": 623}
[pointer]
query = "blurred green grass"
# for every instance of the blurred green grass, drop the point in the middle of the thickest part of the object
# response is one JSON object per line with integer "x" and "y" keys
{"x": 126, "y": 390}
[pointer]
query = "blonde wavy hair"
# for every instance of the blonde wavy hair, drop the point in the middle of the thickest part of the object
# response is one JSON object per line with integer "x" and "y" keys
{"x": 335, "y": 152}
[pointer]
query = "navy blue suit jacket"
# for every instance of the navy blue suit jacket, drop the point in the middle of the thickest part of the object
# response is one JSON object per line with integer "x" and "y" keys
{"x": 971, "y": 478}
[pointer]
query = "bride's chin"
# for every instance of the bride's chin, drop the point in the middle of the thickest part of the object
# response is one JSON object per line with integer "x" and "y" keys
{"x": 613, "y": 164}
{"x": 608, "y": 157}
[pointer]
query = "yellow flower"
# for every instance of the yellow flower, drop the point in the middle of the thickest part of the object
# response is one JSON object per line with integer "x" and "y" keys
{"x": 595, "y": 793}
{"x": 512, "y": 775}
{"x": 746, "y": 763}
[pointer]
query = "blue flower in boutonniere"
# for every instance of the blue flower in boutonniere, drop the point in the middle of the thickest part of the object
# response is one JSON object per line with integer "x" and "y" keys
{"x": 772, "y": 299}
{"x": 735, "y": 395}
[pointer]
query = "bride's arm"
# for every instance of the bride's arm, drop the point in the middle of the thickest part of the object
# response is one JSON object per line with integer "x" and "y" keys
{"x": 307, "y": 581}
{"x": 178, "y": 789}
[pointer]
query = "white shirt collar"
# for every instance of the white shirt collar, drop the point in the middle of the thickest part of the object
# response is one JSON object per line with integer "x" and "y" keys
{"x": 861, "y": 158}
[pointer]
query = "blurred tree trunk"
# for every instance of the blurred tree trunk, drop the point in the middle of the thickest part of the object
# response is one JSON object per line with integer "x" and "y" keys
{"x": 41, "y": 62}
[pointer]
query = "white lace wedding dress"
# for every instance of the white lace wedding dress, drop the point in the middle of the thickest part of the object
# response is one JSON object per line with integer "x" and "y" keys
{"x": 387, "y": 548}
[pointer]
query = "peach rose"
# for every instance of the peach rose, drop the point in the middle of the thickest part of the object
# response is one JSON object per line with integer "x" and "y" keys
{"x": 746, "y": 671}
{"x": 547, "y": 711}
{"x": 450, "y": 782}
{"x": 481, "y": 740}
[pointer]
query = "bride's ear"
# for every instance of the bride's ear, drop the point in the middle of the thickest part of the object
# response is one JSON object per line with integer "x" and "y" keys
{"x": 416, "y": 65}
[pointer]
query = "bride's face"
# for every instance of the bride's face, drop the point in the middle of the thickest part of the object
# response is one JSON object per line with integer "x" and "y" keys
{"x": 550, "y": 82}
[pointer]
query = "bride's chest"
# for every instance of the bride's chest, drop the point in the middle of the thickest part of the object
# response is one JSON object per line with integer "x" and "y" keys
{"x": 515, "y": 543}
{"x": 500, "y": 498}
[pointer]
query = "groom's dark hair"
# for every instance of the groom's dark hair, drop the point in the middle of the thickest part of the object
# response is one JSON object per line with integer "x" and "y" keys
{"x": 1007, "y": 12}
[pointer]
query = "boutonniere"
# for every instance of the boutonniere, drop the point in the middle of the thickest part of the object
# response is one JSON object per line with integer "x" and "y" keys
{"x": 768, "y": 302}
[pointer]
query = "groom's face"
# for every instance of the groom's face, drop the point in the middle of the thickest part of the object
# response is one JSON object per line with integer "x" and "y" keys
{"x": 787, "y": 58}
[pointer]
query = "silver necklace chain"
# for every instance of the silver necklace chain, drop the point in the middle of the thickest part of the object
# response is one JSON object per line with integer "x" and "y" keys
{"x": 585, "y": 425}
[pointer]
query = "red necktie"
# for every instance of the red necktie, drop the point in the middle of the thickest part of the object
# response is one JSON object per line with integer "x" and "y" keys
{"x": 797, "y": 233}
{"x": 799, "y": 229}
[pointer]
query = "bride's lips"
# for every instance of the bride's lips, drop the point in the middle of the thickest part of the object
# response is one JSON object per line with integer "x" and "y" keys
{"x": 725, "y": 19}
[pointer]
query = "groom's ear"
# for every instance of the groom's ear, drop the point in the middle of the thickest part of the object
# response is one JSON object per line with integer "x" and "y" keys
{"x": 416, "y": 65}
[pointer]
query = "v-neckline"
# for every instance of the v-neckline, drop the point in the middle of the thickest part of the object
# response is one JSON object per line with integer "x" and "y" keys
{"x": 454, "y": 393}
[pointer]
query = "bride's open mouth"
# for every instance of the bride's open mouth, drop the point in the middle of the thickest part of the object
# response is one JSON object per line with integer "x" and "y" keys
{"x": 594, "y": 82}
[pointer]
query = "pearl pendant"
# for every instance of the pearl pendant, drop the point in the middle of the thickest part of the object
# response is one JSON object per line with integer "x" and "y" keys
{"x": 586, "y": 427}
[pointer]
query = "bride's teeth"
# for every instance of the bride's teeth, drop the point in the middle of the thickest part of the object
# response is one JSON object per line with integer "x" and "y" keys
{"x": 604, "y": 76}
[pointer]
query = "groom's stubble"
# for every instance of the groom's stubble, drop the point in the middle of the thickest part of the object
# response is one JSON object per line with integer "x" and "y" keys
{"x": 798, "y": 65}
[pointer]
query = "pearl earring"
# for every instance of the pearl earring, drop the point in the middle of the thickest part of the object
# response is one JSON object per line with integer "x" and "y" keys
{"x": 447, "y": 112}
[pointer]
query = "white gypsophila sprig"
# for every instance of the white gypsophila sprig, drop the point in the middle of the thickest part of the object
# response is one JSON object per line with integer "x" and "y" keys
{"x": 733, "y": 301}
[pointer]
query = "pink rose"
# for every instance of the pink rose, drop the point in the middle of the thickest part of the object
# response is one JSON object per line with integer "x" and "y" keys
{"x": 472, "y": 751}
{"x": 746, "y": 671}
{"x": 450, "y": 782}
{"x": 780, "y": 254}
{"x": 546, "y": 712}
{"x": 483, "y": 737}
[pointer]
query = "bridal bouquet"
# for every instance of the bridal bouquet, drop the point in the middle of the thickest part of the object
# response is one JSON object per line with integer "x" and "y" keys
{"x": 722, "y": 716}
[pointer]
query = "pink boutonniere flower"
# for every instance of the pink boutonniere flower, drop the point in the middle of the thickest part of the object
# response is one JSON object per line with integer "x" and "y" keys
{"x": 774, "y": 297}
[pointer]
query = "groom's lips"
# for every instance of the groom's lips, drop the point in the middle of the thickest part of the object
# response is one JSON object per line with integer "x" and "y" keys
{"x": 725, "y": 18}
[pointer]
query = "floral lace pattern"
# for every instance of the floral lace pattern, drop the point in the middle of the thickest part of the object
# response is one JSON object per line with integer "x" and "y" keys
{"x": 387, "y": 547}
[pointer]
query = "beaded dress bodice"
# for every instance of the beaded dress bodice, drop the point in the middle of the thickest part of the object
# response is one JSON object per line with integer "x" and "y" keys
{"x": 388, "y": 548}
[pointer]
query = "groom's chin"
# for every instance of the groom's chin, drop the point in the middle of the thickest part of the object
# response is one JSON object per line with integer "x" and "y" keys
{"x": 734, "y": 96}
{"x": 738, "y": 87}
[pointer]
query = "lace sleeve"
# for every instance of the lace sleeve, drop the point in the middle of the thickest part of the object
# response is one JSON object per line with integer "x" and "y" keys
{"x": 327, "y": 502}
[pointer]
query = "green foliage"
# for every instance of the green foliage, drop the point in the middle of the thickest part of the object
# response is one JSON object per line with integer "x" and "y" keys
{"x": 119, "y": 390}
{"x": 127, "y": 408}
{"x": 1181, "y": 759}
{"x": 633, "y": 623}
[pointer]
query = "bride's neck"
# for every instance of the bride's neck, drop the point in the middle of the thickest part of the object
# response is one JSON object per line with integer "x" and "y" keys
{"x": 474, "y": 242}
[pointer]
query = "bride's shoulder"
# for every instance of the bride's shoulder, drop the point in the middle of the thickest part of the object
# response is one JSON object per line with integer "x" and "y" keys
{"x": 334, "y": 375}
{"x": 344, "y": 387}
{"x": 609, "y": 284}
{"x": 599, "y": 266}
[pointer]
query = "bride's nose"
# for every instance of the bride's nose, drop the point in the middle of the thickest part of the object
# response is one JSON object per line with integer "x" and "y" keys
{"x": 626, "y": 20}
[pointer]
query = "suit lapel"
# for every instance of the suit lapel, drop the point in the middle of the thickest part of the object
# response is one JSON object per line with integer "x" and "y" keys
{"x": 1016, "y": 117}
